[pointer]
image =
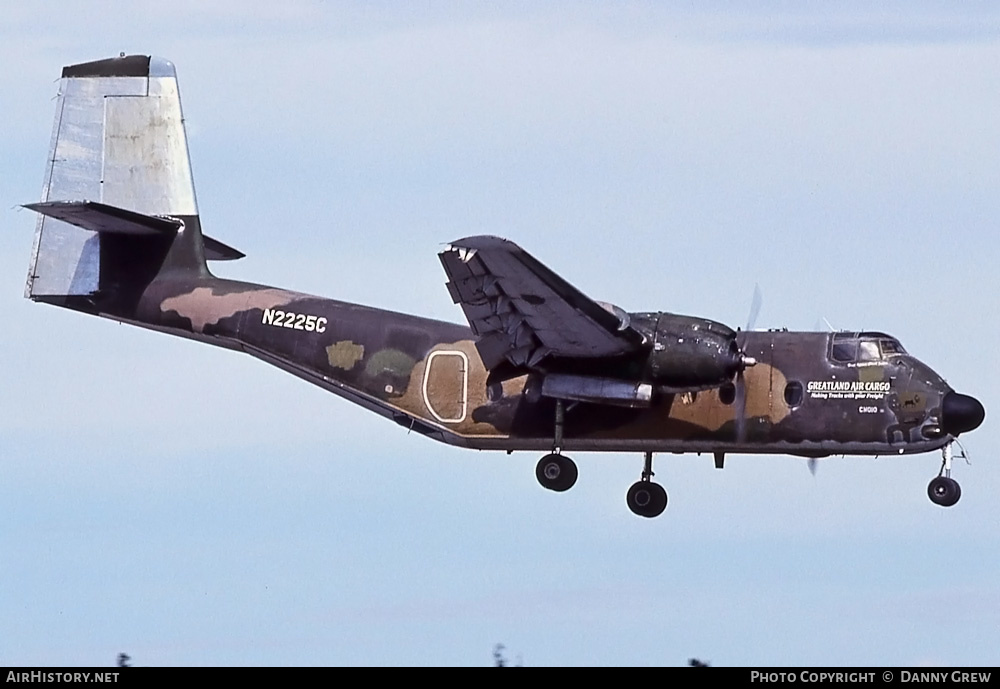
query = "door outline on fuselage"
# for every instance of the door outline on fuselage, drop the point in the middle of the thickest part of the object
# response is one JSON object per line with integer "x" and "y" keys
{"x": 428, "y": 371}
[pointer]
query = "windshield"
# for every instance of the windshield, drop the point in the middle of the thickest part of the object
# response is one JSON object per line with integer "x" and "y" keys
{"x": 863, "y": 347}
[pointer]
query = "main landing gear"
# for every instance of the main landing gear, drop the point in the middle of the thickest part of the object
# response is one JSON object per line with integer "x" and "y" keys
{"x": 944, "y": 490}
{"x": 647, "y": 498}
{"x": 555, "y": 471}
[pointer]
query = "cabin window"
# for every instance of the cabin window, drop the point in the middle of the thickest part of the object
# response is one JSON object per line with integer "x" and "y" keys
{"x": 727, "y": 393}
{"x": 793, "y": 393}
{"x": 494, "y": 392}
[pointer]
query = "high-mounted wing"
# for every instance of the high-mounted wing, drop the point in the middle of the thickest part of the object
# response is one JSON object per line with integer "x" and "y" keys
{"x": 522, "y": 312}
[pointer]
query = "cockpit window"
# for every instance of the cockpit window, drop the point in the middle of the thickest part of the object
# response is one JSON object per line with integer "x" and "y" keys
{"x": 891, "y": 348}
{"x": 844, "y": 348}
{"x": 868, "y": 351}
{"x": 848, "y": 348}
{"x": 845, "y": 351}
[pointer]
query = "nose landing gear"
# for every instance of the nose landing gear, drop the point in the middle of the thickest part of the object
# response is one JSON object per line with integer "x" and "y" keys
{"x": 944, "y": 490}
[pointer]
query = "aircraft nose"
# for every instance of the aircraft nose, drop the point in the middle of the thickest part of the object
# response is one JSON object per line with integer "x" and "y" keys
{"x": 961, "y": 413}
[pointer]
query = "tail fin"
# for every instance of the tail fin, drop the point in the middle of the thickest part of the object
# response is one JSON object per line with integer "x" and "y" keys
{"x": 118, "y": 205}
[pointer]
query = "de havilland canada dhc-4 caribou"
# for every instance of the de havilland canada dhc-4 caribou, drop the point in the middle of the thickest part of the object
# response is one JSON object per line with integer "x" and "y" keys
{"x": 541, "y": 367}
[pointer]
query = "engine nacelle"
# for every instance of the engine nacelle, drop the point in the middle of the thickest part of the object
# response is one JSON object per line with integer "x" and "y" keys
{"x": 692, "y": 353}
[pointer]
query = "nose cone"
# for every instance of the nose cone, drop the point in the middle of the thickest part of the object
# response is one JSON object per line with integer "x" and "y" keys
{"x": 961, "y": 413}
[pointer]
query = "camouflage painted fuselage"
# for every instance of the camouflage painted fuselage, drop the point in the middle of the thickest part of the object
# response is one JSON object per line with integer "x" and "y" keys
{"x": 119, "y": 235}
{"x": 427, "y": 375}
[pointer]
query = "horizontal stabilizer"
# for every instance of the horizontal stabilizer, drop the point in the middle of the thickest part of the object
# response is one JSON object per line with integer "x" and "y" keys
{"x": 100, "y": 217}
{"x": 217, "y": 251}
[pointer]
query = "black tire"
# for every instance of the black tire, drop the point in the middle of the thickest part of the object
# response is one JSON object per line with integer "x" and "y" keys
{"x": 944, "y": 491}
{"x": 646, "y": 499}
{"x": 556, "y": 472}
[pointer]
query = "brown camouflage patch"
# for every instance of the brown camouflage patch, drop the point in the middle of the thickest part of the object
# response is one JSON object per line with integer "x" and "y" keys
{"x": 344, "y": 354}
{"x": 203, "y": 307}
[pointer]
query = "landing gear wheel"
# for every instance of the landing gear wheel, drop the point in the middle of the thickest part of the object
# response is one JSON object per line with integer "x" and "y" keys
{"x": 556, "y": 472}
{"x": 944, "y": 491}
{"x": 646, "y": 499}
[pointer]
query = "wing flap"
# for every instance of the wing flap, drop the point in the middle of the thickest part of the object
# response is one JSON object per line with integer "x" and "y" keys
{"x": 522, "y": 312}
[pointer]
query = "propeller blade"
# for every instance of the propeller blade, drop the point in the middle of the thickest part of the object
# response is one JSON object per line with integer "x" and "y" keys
{"x": 740, "y": 408}
{"x": 740, "y": 403}
{"x": 755, "y": 303}
{"x": 820, "y": 323}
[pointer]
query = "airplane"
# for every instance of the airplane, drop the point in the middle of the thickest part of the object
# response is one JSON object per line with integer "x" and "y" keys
{"x": 540, "y": 367}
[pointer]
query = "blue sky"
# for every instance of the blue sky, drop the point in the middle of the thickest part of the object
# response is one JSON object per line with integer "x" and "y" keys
{"x": 194, "y": 507}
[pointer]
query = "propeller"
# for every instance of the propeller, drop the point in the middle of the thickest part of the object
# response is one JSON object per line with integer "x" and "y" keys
{"x": 820, "y": 323}
{"x": 755, "y": 303}
{"x": 741, "y": 407}
{"x": 740, "y": 401}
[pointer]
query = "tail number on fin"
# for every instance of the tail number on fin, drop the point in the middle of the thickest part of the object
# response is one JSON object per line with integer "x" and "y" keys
{"x": 295, "y": 321}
